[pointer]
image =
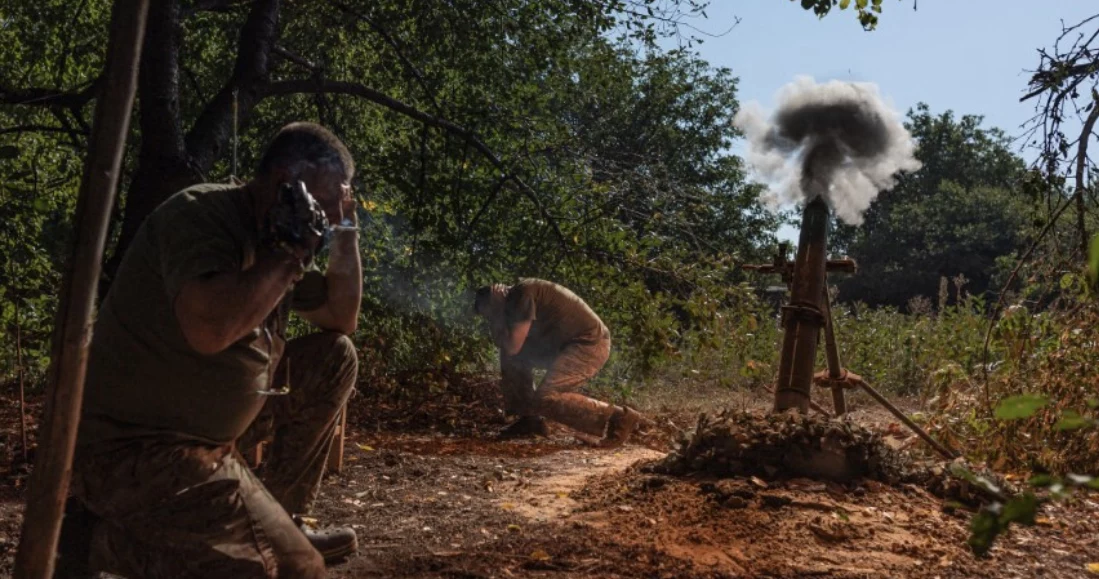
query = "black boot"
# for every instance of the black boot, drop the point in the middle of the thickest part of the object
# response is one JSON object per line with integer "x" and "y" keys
{"x": 525, "y": 427}
{"x": 334, "y": 543}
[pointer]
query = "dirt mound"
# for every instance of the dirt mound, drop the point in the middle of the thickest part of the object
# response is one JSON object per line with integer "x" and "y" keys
{"x": 739, "y": 443}
{"x": 748, "y": 527}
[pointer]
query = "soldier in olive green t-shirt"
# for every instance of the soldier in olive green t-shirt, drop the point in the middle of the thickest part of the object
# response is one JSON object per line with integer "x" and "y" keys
{"x": 540, "y": 324}
{"x": 189, "y": 364}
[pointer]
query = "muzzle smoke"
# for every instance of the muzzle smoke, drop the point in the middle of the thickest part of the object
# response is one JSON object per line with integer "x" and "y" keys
{"x": 837, "y": 139}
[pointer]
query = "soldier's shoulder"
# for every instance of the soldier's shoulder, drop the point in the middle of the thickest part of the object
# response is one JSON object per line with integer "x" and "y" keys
{"x": 204, "y": 193}
{"x": 534, "y": 282}
{"x": 544, "y": 288}
{"x": 202, "y": 198}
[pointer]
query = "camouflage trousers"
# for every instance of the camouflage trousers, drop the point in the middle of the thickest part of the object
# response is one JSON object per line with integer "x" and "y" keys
{"x": 171, "y": 507}
{"x": 557, "y": 397}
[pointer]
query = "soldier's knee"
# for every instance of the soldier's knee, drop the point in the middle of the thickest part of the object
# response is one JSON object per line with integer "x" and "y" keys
{"x": 302, "y": 566}
{"x": 345, "y": 348}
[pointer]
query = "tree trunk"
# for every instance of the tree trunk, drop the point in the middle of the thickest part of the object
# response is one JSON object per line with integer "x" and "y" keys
{"x": 172, "y": 159}
{"x": 163, "y": 166}
{"x": 49, "y": 481}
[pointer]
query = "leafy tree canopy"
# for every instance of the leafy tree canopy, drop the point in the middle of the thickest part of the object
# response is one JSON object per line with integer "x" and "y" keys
{"x": 550, "y": 138}
{"x": 960, "y": 213}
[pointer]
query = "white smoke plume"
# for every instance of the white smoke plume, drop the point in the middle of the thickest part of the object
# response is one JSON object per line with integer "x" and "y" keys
{"x": 837, "y": 139}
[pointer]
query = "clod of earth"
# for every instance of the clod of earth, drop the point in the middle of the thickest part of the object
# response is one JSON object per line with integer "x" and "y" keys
{"x": 753, "y": 446}
{"x": 737, "y": 443}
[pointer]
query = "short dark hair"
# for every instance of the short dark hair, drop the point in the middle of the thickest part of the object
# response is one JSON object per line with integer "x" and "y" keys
{"x": 483, "y": 295}
{"x": 308, "y": 142}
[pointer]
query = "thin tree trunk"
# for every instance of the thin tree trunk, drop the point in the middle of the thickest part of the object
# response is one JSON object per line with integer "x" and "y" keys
{"x": 49, "y": 481}
{"x": 1081, "y": 226}
{"x": 19, "y": 373}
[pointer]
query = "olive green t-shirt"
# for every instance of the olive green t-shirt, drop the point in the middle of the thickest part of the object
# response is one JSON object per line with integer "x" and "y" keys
{"x": 143, "y": 377}
{"x": 559, "y": 317}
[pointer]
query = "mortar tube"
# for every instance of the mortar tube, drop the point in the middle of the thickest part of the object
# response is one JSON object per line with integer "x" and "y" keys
{"x": 803, "y": 318}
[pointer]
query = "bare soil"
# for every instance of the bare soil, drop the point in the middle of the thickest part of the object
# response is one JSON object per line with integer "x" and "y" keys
{"x": 432, "y": 494}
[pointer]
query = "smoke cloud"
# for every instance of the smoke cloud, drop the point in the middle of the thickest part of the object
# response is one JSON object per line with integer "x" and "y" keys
{"x": 837, "y": 139}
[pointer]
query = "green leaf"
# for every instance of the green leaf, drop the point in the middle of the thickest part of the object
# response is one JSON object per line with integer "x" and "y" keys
{"x": 844, "y": 4}
{"x": 983, "y": 530}
{"x": 961, "y": 472}
{"x": 1040, "y": 480}
{"x": 1019, "y": 407}
{"x": 1072, "y": 421}
{"x": 1093, "y": 402}
{"x": 1021, "y": 509}
{"x": 861, "y": 4}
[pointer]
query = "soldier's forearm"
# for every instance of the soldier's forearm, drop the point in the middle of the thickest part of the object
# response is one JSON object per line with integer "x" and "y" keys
{"x": 345, "y": 279}
{"x": 213, "y": 313}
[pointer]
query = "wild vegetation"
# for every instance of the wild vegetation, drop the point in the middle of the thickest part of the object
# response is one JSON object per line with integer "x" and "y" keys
{"x": 558, "y": 139}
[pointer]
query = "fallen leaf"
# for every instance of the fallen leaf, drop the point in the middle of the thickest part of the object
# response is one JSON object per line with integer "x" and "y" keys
{"x": 513, "y": 528}
{"x": 1092, "y": 568}
{"x": 540, "y": 555}
{"x": 364, "y": 447}
{"x": 759, "y": 482}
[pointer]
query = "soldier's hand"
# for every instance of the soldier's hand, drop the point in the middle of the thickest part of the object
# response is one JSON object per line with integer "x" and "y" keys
{"x": 297, "y": 223}
{"x": 348, "y": 214}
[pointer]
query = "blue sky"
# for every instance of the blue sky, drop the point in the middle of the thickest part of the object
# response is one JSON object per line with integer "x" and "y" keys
{"x": 969, "y": 56}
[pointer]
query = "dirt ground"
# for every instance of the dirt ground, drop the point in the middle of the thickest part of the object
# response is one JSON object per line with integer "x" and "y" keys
{"x": 431, "y": 494}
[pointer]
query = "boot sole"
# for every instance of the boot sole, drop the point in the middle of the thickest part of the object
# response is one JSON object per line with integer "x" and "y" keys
{"x": 339, "y": 553}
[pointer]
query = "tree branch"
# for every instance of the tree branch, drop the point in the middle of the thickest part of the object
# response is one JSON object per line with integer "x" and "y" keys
{"x": 46, "y": 97}
{"x": 1081, "y": 173}
{"x": 294, "y": 58}
{"x": 212, "y": 129}
{"x": 42, "y": 129}
{"x": 397, "y": 49}
{"x": 215, "y": 5}
{"x": 306, "y": 86}
{"x": 76, "y": 143}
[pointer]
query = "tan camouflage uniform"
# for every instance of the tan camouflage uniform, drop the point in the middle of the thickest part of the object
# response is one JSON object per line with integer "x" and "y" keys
{"x": 557, "y": 397}
{"x": 570, "y": 342}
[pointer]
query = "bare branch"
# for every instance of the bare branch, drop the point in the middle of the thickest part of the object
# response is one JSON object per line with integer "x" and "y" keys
{"x": 42, "y": 129}
{"x": 45, "y": 97}
{"x": 1081, "y": 173}
{"x": 294, "y": 58}
{"x": 215, "y": 5}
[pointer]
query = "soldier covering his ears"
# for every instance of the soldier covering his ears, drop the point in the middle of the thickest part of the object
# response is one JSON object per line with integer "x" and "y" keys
{"x": 189, "y": 364}
{"x": 540, "y": 324}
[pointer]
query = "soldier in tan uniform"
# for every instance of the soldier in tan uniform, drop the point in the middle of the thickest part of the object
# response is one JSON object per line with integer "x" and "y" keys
{"x": 540, "y": 324}
{"x": 190, "y": 361}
